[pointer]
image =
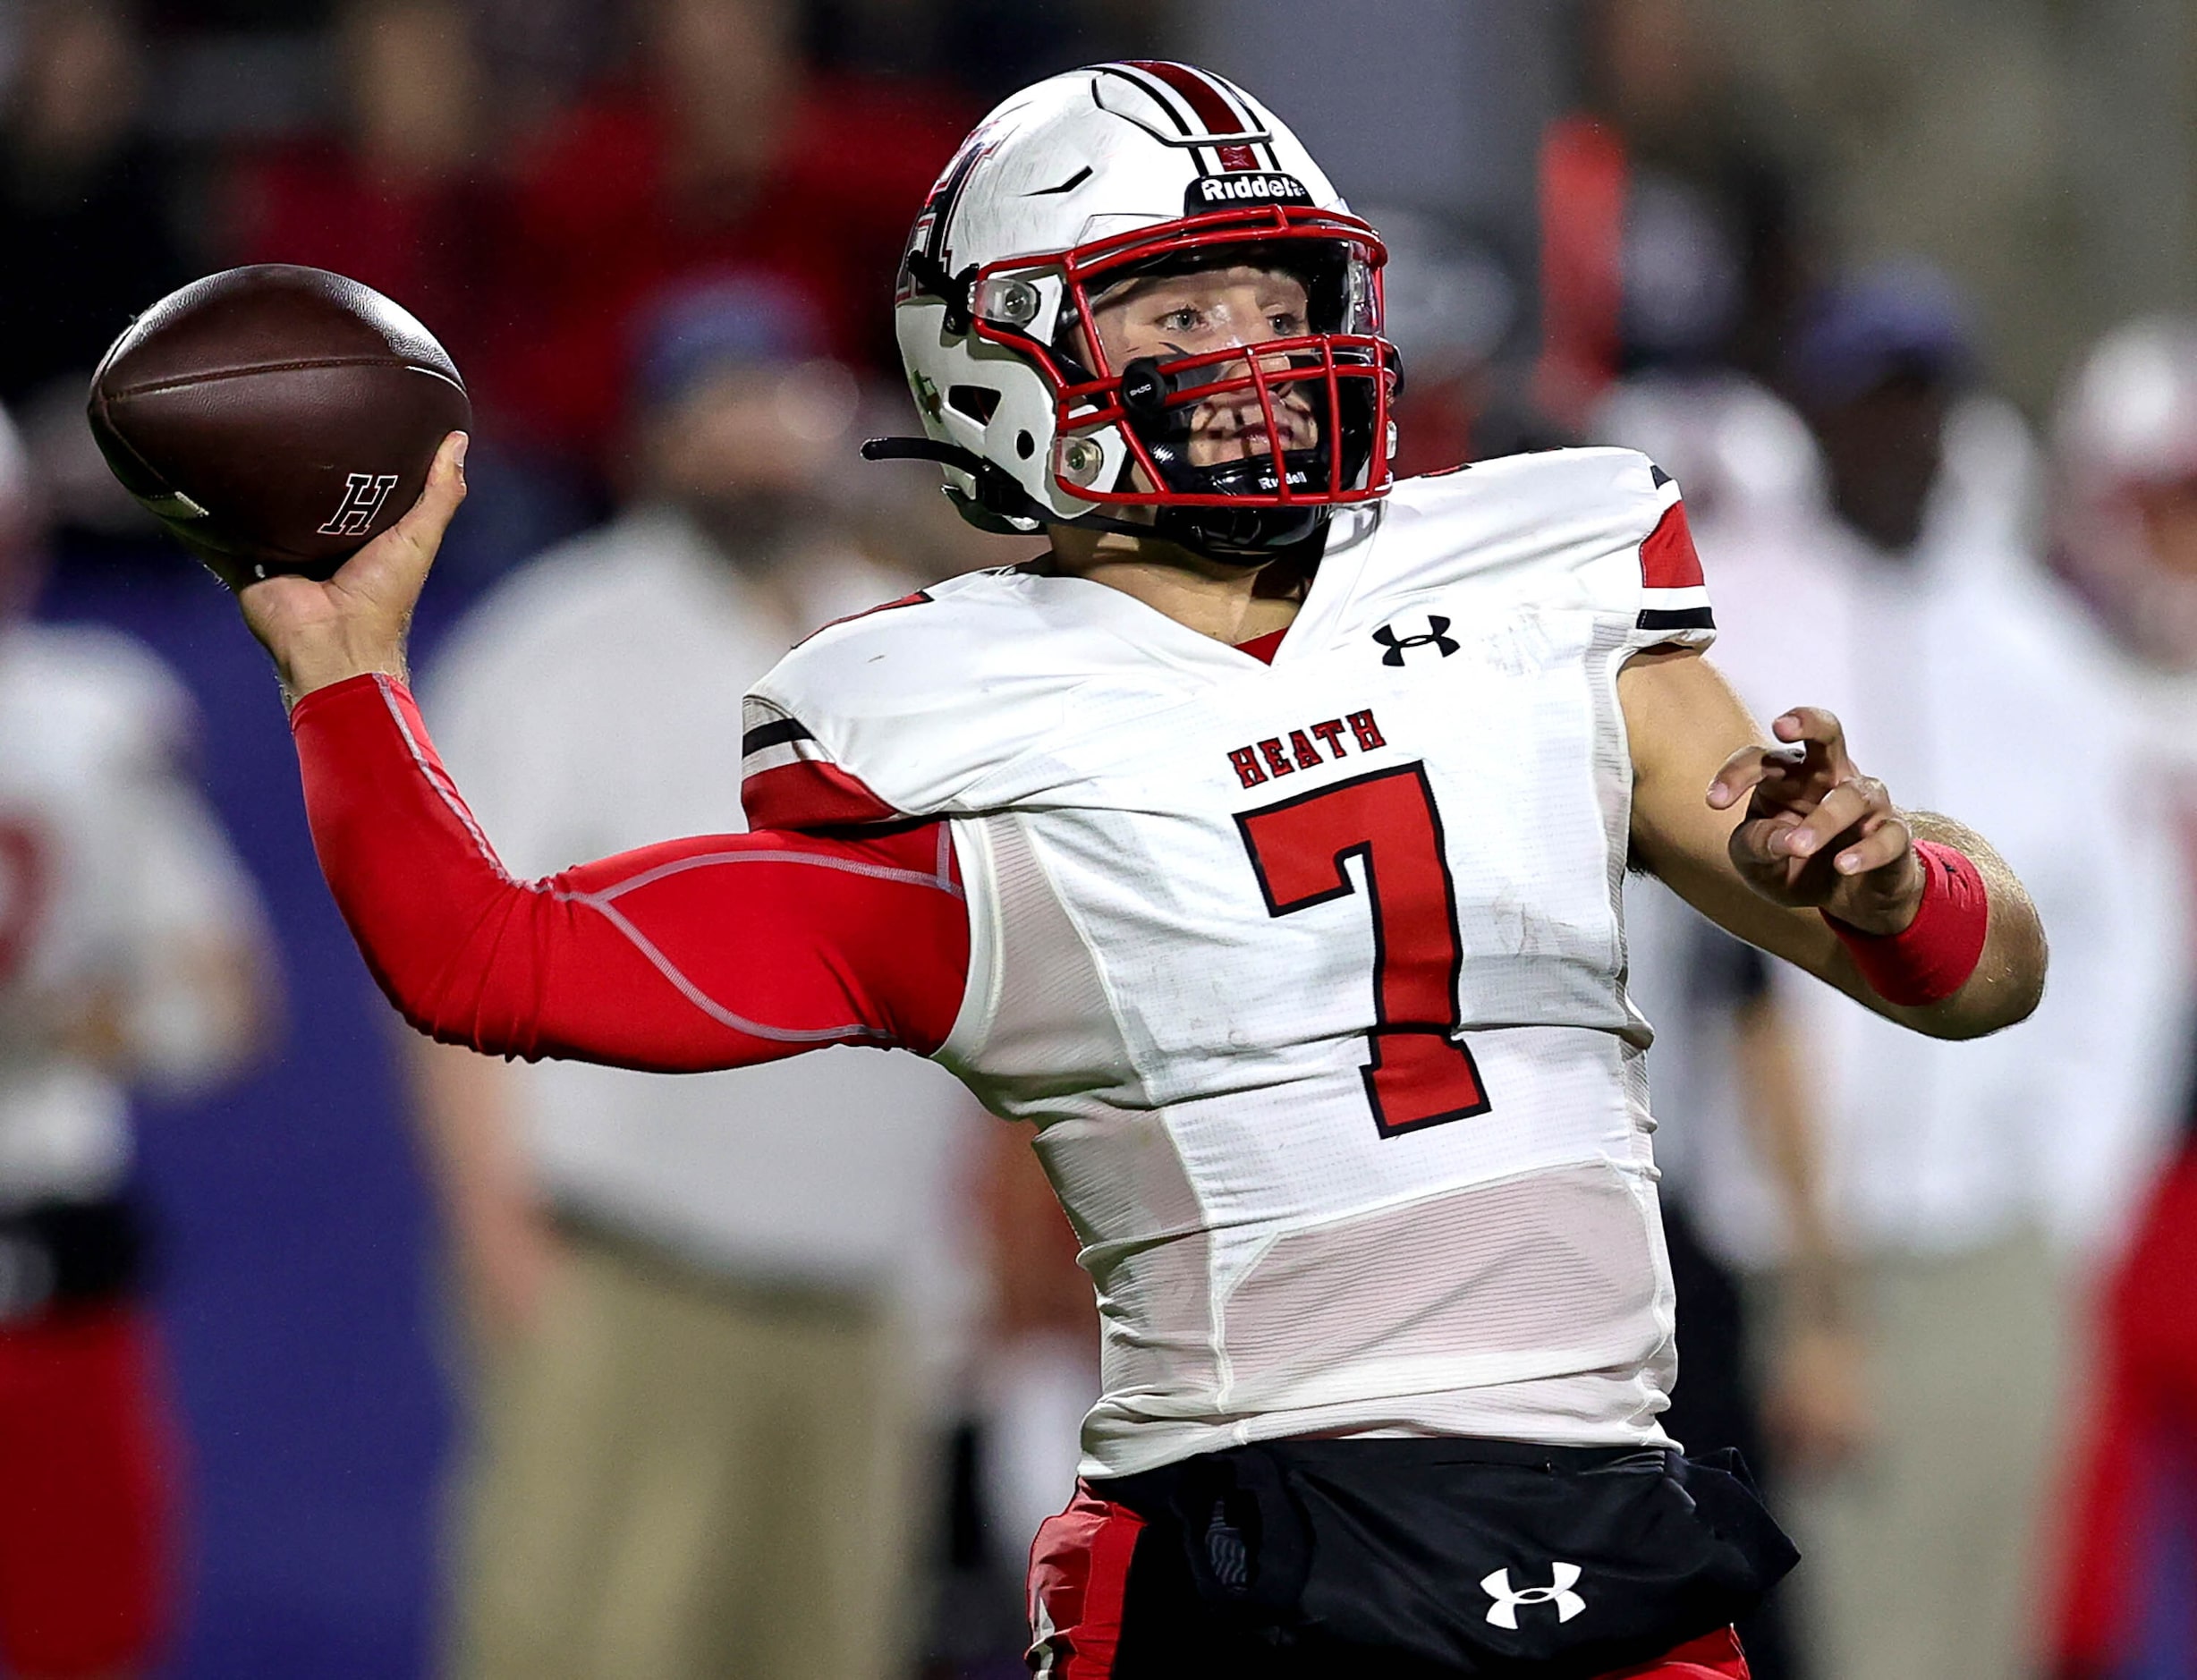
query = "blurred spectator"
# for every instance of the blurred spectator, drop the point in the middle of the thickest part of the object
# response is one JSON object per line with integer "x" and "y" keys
{"x": 133, "y": 952}
{"x": 1753, "y": 474}
{"x": 1960, "y": 1177}
{"x": 1449, "y": 307}
{"x": 541, "y": 56}
{"x": 697, "y": 1425}
{"x": 1670, "y": 223}
{"x": 86, "y": 238}
{"x": 407, "y": 193}
{"x": 87, "y": 235}
{"x": 1717, "y": 247}
{"x": 722, "y": 152}
{"x": 399, "y": 197}
{"x": 2126, "y": 445}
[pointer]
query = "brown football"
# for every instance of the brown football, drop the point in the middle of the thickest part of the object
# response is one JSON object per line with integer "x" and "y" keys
{"x": 275, "y": 418}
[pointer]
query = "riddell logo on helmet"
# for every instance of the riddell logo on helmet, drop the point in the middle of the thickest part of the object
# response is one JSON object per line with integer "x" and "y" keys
{"x": 1224, "y": 193}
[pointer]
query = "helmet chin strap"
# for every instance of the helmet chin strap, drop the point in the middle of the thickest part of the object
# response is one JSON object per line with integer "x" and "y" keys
{"x": 1001, "y": 504}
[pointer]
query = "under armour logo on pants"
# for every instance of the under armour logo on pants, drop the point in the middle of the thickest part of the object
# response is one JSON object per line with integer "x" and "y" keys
{"x": 363, "y": 495}
{"x": 1437, "y": 625}
{"x": 1562, "y": 1579}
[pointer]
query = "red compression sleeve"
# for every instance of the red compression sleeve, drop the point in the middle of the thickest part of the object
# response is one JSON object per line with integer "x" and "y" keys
{"x": 1933, "y": 958}
{"x": 715, "y": 952}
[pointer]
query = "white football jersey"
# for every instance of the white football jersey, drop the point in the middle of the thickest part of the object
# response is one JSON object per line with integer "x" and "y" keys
{"x": 1311, "y": 975}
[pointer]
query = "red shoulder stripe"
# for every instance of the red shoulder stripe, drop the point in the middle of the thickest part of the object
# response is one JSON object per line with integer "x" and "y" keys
{"x": 809, "y": 794}
{"x": 1666, "y": 559}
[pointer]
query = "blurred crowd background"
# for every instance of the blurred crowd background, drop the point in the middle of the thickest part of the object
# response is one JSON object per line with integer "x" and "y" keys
{"x": 324, "y": 1353}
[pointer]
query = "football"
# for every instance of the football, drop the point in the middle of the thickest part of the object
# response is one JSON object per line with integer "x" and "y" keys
{"x": 275, "y": 418}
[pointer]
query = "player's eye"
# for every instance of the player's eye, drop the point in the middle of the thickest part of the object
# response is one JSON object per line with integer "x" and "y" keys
{"x": 1286, "y": 323}
{"x": 1181, "y": 319}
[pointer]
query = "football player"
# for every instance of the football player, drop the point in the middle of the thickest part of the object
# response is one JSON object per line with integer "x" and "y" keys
{"x": 134, "y": 957}
{"x": 1261, "y": 846}
{"x": 2126, "y": 446}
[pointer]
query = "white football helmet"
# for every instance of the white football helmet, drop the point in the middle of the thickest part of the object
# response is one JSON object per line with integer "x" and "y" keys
{"x": 2128, "y": 419}
{"x": 1088, "y": 179}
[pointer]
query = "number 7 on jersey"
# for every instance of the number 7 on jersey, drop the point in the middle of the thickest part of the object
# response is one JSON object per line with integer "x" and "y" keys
{"x": 1419, "y": 1073}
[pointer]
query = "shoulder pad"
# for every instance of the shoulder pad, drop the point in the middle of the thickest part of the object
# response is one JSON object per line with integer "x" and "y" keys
{"x": 1603, "y": 528}
{"x": 893, "y": 712}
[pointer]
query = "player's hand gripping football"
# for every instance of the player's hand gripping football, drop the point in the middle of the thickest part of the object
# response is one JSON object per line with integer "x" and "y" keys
{"x": 357, "y": 621}
{"x": 1817, "y": 832}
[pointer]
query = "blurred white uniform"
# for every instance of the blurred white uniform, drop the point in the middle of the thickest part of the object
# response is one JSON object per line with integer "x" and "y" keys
{"x": 591, "y": 705}
{"x": 128, "y": 932}
{"x": 108, "y": 862}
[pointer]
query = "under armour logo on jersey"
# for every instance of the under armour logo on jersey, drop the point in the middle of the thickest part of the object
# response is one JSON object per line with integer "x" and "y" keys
{"x": 363, "y": 495}
{"x": 1436, "y": 627}
{"x": 1562, "y": 1579}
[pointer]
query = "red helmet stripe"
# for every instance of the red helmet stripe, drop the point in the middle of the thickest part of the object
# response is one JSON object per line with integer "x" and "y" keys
{"x": 1206, "y": 98}
{"x": 1143, "y": 82}
{"x": 1251, "y": 121}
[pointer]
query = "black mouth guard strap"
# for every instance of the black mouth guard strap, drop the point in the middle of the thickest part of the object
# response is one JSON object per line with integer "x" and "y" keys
{"x": 997, "y": 492}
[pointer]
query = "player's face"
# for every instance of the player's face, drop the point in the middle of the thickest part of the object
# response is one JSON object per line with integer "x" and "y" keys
{"x": 1170, "y": 316}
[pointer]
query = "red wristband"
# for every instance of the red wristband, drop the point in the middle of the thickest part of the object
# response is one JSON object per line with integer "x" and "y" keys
{"x": 1933, "y": 958}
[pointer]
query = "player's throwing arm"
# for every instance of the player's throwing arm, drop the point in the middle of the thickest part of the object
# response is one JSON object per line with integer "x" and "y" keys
{"x": 715, "y": 951}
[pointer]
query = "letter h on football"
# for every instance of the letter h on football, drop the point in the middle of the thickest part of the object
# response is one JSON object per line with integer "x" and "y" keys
{"x": 363, "y": 495}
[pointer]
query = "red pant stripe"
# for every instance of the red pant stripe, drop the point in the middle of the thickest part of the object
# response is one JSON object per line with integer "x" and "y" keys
{"x": 1712, "y": 1657}
{"x": 1079, "y": 1576}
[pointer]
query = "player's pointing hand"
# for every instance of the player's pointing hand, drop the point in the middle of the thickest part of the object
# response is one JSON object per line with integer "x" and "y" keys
{"x": 1818, "y": 832}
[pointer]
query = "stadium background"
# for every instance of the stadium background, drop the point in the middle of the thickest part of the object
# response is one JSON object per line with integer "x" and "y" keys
{"x": 2045, "y": 153}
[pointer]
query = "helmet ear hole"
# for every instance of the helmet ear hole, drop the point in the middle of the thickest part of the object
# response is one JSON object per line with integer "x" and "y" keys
{"x": 979, "y": 403}
{"x": 1025, "y": 446}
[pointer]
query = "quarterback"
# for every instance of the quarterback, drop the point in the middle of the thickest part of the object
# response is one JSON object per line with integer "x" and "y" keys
{"x": 1263, "y": 847}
